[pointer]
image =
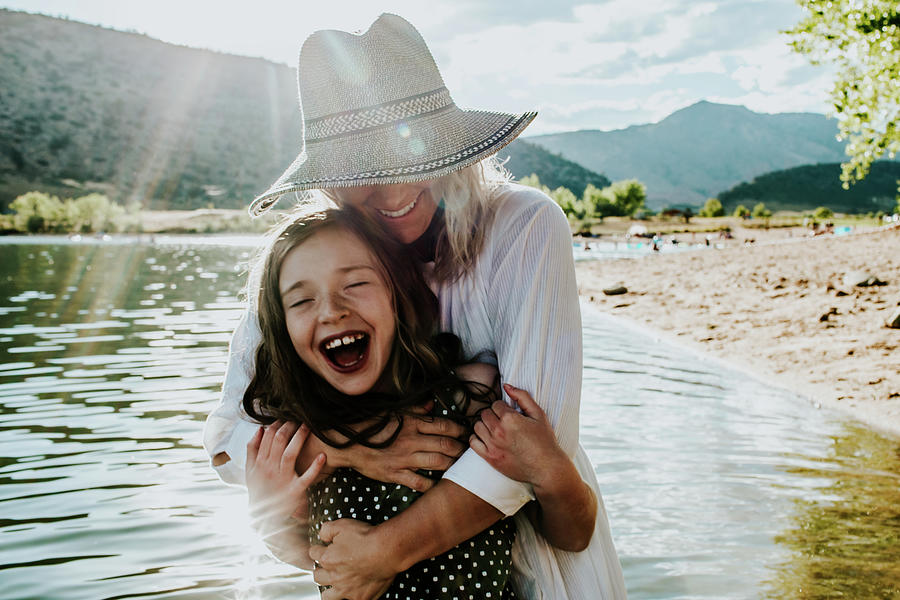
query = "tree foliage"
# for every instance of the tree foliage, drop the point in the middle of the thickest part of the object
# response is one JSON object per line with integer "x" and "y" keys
{"x": 761, "y": 212}
{"x": 712, "y": 208}
{"x": 620, "y": 199}
{"x": 38, "y": 212}
{"x": 862, "y": 39}
{"x": 823, "y": 212}
{"x": 741, "y": 211}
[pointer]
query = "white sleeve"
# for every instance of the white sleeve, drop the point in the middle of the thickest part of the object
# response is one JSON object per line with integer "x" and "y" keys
{"x": 228, "y": 428}
{"x": 536, "y": 329}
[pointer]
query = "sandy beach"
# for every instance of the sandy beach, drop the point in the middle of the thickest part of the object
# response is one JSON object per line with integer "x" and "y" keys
{"x": 780, "y": 309}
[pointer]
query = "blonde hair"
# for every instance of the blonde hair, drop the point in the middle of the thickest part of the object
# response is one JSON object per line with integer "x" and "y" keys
{"x": 468, "y": 213}
{"x": 467, "y": 195}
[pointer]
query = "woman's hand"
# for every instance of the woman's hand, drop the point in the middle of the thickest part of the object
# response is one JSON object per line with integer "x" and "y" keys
{"x": 352, "y": 564}
{"x": 424, "y": 442}
{"x": 277, "y": 494}
{"x": 522, "y": 446}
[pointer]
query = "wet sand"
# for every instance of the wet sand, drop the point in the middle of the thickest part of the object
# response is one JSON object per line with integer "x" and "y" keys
{"x": 780, "y": 310}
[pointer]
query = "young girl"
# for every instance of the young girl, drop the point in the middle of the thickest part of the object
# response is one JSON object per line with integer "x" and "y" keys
{"x": 349, "y": 347}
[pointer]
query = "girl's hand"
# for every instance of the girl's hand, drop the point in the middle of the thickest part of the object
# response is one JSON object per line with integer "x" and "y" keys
{"x": 275, "y": 490}
{"x": 522, "y": 446}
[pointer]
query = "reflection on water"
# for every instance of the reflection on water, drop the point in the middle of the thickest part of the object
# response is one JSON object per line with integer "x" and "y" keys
{"x": 716, "y": 485}
{"x": 845, "y": 536}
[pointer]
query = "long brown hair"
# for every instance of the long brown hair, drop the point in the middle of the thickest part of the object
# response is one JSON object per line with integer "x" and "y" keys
{"x": 419, "y": 366}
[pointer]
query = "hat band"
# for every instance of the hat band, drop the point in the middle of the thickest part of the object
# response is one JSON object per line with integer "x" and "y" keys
{"x": 375, "y": 116}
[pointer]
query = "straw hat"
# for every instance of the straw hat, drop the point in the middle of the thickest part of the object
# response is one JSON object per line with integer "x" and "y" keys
{"x": 376, "y": 111}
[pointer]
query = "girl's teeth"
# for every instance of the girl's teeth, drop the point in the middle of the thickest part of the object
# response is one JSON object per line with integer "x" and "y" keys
{"x": 347, "y": 339}
{"x": 393, "y": 214}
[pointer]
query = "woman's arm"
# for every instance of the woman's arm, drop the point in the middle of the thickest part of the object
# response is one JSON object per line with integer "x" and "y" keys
{"x": 523, "y": 446}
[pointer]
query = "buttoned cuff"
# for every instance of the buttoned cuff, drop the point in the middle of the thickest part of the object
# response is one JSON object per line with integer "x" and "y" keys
{"x": 476, "y": 475}
{"x": 236, "y": 447}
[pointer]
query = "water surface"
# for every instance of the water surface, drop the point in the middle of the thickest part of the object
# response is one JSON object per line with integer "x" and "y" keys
{"x": 717, "y": 485}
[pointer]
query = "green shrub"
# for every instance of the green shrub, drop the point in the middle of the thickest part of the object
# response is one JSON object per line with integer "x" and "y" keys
{"x": 823, "y": 212}
{"x": 712, "y": 208}
{"x": 761, "y": 212}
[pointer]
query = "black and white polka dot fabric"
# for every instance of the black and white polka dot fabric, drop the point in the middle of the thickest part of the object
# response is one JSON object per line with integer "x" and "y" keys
{"x": 477, "y": 568}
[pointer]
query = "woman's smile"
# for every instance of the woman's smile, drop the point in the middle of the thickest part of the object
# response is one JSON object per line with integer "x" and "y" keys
{"x": 404, "y": 209}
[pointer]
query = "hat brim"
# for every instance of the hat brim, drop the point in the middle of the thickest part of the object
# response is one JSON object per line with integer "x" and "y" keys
{"x": 421, "y": 148}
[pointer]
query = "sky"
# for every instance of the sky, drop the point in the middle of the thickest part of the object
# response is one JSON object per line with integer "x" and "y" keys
{"x": 582, "y": 65}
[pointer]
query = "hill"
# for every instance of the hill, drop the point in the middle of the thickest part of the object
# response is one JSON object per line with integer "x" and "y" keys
{"x": 700, "y": 150}
{"x": 91, "y": 108}
{"x": 83, "y": 108}
{"x": 810, "y": 186}
{"x": 525, "y": 158}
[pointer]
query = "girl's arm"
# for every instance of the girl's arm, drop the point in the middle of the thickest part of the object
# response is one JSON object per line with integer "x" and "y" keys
{"x": 277, "y": 495}
{"x": 523, "y": 447}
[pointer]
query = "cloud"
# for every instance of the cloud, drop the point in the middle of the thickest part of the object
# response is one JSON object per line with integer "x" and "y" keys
{"x": 590, "y": 64}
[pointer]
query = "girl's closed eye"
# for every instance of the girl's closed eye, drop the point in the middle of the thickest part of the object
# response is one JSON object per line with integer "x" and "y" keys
{"x": 300, "y": 302}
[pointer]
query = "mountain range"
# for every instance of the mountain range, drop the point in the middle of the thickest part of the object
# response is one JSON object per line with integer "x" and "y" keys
{"x": 699, "y": 151}
{"x": 84, "y": 108}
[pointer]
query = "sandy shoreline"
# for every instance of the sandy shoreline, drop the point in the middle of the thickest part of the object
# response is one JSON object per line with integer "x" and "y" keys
{"x": 777, "y": 310}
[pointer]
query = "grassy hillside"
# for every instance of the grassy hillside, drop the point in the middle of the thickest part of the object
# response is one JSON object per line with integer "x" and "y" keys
{"x": 84, "y": 108}
{"x": 700, "y": 150}
{"x": 167, "y": 126}
{"x": 553, "y": 170}
{"x": 810, "y": 186}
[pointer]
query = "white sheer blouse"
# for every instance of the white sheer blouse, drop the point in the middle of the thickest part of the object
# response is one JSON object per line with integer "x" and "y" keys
{"x": 521, "y": 302}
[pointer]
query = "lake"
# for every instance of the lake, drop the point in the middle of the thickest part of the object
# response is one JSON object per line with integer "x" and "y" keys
{"x": 717, "y": 485}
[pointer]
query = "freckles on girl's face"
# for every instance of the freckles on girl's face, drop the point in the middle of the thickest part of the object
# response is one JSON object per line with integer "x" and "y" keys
{"x": 338, "y": 309}
{"x": 404, "y": 209}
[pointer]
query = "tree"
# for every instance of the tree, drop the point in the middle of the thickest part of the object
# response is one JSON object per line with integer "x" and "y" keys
{"x": 862, "y": 39}
{"x": 37, "y": 212}
{"x": 566, "y": 199}
{"x": 533, "y": 181}
{"x": 94, "y": 212}
{"x": 620, "y": 199}
{"x": 822, "y": 213}
{"x": 712, "y": 208}
{"x": 628, "y": 196}
{"x": 741, "y": 212}
{"x": 761, "y": 212}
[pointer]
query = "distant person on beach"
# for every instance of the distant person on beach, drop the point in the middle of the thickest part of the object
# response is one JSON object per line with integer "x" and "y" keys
{"x": 499, "y": 257}
{"x": 350, "y": 347}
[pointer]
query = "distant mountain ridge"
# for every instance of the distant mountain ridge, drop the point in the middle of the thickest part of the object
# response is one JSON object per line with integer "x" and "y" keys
{"x": 83, "y": 108}
{"x": 809, "y": 186}
{"x": 522, "y": 158}
{"x": 698, "y": 151}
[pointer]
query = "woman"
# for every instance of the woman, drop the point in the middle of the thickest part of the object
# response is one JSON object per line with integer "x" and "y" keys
{"x": 381, "y": 133}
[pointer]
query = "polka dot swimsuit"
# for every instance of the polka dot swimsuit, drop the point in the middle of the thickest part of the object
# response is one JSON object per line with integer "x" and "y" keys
{"x": 477, "y": 568}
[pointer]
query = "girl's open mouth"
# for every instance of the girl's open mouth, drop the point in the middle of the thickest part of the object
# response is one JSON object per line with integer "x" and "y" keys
{"x": 346, "y": 352}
